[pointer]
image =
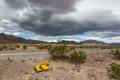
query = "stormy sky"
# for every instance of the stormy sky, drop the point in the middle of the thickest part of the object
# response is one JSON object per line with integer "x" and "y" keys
{"x": 61, "y": 19}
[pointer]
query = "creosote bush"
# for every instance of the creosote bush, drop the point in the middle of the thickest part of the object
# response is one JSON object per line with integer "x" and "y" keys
{"x": 78, "y": 57}
{"x": 114, "y": 71}
{"x": 67, "y": 53}
{"x": 5, "y": 46}
{"x": 25, "y": 47}
{"x": 59, "y": 52}
{"x": 116, "y": 53}
{"x": 12, "y": 47}
{"x": 1, "y": 48}
{"x": 17, "y": 46}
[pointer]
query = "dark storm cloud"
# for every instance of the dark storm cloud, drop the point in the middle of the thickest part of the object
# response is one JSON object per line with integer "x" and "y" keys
{"x": 74, "y": 28}
{"x": 40, "y": 13}
{"x": 15, "y": 4}
{"x": 57, "y": 27}
{"x": 60, "y": 6}
{"x": 42, "y": 24}
{"x": 110, "y": 33}
{"x": 45, "y": 15}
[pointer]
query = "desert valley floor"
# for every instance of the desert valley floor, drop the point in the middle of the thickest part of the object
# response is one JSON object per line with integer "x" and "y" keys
{"x": 94, "y": 68}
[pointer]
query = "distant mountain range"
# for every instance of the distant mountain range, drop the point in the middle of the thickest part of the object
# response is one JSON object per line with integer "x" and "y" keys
{"x": 10, "y": 39}
{"x": 93, "y": 42}
{"x": 115, "y": 44}
{"x": 67, "y": 42}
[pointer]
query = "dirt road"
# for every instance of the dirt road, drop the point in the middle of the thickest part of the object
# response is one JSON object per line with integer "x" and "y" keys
{"x": 23, "y": 56}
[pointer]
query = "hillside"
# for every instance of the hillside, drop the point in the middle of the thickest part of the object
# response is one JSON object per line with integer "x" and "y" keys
{"x": 115, "y": 44}
{"x": 67, "y": 42}
{"x": 92, "y": 42}
{"x": 10, "y": 39}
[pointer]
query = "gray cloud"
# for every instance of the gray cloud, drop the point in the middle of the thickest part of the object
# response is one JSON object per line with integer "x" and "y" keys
{"x": 103, "y": 21}
{"x": 60, "y": 6}
{"x": 38, "y": 16}
{"x": 15, "y": 4}
{"x": 104, "y": 34}
{"x": 101, "y": 16}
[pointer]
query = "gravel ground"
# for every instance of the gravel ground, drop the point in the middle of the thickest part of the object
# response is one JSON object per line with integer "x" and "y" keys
{"x": 93, "y": 69}
{"x": 23, "y": 56}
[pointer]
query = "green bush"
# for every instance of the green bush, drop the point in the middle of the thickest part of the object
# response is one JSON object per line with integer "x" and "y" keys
{"x": 17, "y": 46}
{"x": 103, "y": 47}
{"x": 116, "y": 53}
{"x": 5, "y": 46}
{"x": 40, "y": 47}
{"x": 1, "y": 48}
{"x": 67, "y": 53}
{"x": 25, "y": 47}
{"x": 12, "y": 47}
{"x": 78, "y": 57}
{"x": 59, "y": 52}
{"x": 114, "y": 71}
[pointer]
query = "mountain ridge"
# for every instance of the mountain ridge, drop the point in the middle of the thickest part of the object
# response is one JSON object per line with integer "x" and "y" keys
{"x": 93, "y": 42}
{"x": 10, "y": 39}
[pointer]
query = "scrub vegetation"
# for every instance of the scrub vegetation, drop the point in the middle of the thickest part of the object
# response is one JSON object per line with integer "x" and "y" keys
{"x": 116, "y": 53}
{"x": 86, "y": 61}
{"x": 114, "y": 71}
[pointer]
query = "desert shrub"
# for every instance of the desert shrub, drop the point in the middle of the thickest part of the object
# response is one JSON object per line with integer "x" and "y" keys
{"x": 50, "y": 47}
{"x": 78, "y": 57}
{"x": 103, "y": 47}
{"x": 5, "y": 46}
{"x": 59, "y": 52}
{"x": 86, "y": 46}
{"x": 25, "y": 47}
{"x": 96, "y": 46}
{"x": 72, "y": 47}
{"x": 17, "y": 46}
{"x": 114, "y": 71}
{"x": 43, "y": 46}
{"x": 1, "y": 48}
{"x": 81, "y": 47}
{"x": 40, "y": 46}
{"x": 11, "y": 47}
{"x": 9, "y": 59}
{"x": 116, "y": 53}
{"x": 109, "y": 47}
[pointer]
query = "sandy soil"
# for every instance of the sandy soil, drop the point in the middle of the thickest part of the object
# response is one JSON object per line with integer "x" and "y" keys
{"x": 21, "y": 50}
{"x": 93, "y": 69}
{"x": 25, "y": 56}
{"x": 15, "y": 70}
